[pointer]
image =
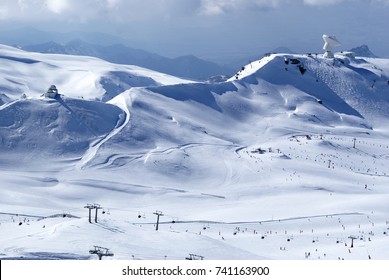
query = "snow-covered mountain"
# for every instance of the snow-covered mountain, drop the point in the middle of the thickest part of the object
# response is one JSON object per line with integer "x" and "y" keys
{"x": 83, "y": 77}
{"x": 184, "y": 66}
{"x": 285, "y": 160}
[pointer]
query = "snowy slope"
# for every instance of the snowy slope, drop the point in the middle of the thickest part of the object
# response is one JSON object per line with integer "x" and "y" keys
{"x": 76, "y": 76}
{"x": 283, "y": 161}
{"x": 31, "y": 128}
{"x": 353, "y": 86}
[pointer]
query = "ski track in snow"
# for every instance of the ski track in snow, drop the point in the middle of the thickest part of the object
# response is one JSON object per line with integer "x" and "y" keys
{"x": 95, "y": 146}
{"x": 144, "y": 157}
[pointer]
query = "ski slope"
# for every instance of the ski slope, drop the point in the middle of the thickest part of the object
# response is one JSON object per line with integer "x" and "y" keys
{"x": 283, "y": 161}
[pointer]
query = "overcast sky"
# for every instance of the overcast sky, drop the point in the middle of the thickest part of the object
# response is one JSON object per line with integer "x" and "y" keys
{"x": 212, "y": 28}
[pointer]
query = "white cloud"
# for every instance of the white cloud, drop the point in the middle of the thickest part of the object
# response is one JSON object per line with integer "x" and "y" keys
{"x": 86, "y": 10}
{"x": 216, "y": 7}
{"x": 83, "y": 10}
{"x": 3, "y": 12}
{"x": 385, "y": 2}
{"x": 322, "y": 2}
{"x": 57, "y": 6}
{"x": 336, "y": 2}
{"x": 16, "y": 10}
{"x": 130, "y": 10}
{"x": 326, "y": 2}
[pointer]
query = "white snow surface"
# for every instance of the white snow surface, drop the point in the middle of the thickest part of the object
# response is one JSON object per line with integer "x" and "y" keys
{"x": 272, "y": 164}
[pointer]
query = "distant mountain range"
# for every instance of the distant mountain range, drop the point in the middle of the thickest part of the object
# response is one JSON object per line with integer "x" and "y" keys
{"x": 32, "y": 36}
{"x": 184, "y": 66}
{"x": 115, "y": 49}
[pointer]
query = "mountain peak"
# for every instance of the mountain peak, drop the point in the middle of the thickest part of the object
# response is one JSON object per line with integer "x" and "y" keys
{"x": 49, "y": 47}
{"x": 77, "y": 42}
{"x": 283, "y": 50}
{"x": 363, "y": 51}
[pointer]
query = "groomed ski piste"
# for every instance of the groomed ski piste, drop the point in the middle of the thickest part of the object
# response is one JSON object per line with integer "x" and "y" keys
{"x": 286, "y": 160}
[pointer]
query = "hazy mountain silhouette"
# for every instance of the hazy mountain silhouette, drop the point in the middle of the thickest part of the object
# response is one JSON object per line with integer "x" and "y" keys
{"x": 184, "y": 66}
{"x": 363, "y": 51}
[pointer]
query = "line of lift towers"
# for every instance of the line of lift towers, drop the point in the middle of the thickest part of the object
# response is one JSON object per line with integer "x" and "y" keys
{"x": 97, "y": 250}
{"x": 105, "y": 252}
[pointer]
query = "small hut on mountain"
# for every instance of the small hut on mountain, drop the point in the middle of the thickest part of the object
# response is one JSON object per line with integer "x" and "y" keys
{"x": 52, "y": 92}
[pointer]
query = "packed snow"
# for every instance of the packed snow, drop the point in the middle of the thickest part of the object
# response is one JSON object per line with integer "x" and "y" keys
{"x": 285, "y": 160}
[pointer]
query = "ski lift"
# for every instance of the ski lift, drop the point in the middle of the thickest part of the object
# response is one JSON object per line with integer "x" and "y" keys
{"x": 101, "y": 252}
{"x": 193, "y": 257}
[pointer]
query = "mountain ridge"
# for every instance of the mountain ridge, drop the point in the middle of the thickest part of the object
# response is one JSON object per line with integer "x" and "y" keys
{"x": 184, "y": 66}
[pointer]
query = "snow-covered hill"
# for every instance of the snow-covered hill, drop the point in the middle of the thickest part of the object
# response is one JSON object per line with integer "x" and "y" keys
{"x": 32, "y": 128}
{"x": 286, "y": 160}
{"x": 76, "y": 76}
